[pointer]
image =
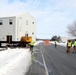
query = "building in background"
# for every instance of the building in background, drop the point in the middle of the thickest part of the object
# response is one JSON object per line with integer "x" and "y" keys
{"x": 17, "y": 25}
{"x": 64, "y": 39}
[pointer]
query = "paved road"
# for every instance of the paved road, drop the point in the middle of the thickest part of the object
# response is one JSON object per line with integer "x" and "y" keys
{"x": 57, "y": 61}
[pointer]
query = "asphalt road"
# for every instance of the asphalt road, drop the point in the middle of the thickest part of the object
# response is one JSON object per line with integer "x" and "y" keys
{"x": 58, "y": 62}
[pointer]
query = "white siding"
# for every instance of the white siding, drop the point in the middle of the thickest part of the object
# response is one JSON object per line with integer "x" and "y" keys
{"x": 6, "y": 28}
{"x": 25, "y": 26}
{"x": 22, "y": 24}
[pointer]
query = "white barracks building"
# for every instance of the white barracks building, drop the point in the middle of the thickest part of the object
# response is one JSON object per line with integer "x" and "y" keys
{"x": 17, "y": 25}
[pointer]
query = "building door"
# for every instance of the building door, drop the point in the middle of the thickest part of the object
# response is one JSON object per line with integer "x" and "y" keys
{"x": 9, "y": 38}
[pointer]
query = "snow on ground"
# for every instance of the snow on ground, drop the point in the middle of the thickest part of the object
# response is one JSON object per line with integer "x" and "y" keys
{"x": 15, "y": 61}
{"x": 37, "y": 42}
{"x": 61, "y": 43}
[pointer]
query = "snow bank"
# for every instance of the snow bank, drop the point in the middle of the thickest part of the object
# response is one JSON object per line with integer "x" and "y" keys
{"x": 15, "y": 61}
{"x": 62, "y": 44}
{"x": 37, "y": 42}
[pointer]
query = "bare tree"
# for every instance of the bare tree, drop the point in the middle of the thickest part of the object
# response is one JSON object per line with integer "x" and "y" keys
{"x": 72, "y": 29}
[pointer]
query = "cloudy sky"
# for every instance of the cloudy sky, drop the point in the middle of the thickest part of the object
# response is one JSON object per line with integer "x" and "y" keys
{"x": 52, "y": 16}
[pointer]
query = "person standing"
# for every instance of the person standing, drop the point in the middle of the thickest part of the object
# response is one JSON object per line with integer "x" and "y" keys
{"x": 74, "y": 46}
{"x": 31, "y": 46}
{"x": 69, "y": 45}
{"x": 55, "y": 43}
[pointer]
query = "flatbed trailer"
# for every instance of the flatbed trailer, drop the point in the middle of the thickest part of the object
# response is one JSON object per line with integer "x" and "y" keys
{"x": 14, "y": 44}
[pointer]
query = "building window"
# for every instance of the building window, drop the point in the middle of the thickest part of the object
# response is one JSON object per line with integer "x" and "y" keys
{"x": 32, "y": 33}
{"x": 10, "y": 21}
{"x": 1, "y": 22}
{"x": 32, "y": 22}
{"x": 26, "y": 35}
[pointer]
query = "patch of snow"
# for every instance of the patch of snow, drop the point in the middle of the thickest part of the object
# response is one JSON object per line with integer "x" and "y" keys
{"x": 15, "y": 61}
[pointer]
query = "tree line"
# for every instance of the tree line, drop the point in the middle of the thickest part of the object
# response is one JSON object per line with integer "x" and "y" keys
{"x": 57, "y": 38}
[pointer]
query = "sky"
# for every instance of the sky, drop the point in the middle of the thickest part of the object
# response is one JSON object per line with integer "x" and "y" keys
{"x": 52, "y": 16}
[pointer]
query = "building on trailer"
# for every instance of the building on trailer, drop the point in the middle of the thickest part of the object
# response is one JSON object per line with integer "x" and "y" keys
{"x": 17, "y": 25}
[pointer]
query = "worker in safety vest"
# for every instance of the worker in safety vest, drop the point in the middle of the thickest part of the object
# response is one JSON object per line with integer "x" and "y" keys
{"x": 55, "y": 43}
{"x": 31, "y": 45}
{"x": 74, "y": 45}
{"x": 69, "y": 45}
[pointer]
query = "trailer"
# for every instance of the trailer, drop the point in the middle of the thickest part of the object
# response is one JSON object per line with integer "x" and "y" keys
{"x": 17, "y": 29}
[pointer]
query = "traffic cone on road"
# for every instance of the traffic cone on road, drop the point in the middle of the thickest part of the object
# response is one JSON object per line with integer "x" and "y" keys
{"x": 47, "y": 42}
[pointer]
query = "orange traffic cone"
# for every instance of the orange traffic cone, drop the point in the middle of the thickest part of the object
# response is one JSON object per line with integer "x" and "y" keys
{"x": 47, "y": 42}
